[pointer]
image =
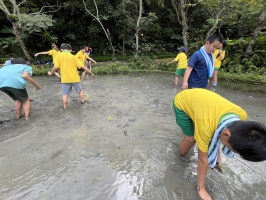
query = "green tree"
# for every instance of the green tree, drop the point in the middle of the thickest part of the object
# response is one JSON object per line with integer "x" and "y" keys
{"x": 22, "y": 21}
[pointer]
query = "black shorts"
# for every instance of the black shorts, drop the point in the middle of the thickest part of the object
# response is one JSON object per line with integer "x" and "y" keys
{"x": 16, "y": 94}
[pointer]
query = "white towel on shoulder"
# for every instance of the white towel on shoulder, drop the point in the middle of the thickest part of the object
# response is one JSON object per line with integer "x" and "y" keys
{"x": 215, "y": 141}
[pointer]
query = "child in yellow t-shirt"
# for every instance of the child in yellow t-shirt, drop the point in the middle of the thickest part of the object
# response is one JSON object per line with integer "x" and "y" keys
{"x": 208, "y": 119}
{"x": 68, "y": 64}
{"x": 182, "y": 62}
{"x": 83, "y": 57}
{"x": 218, "y": 55}
{"x": 54, "y": 52}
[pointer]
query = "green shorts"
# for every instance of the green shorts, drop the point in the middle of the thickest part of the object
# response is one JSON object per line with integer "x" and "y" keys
{"x": 184, "y": 121}
{"x": 216, "y": 68}
{"x": 180, "y": 71}
{"x": 16, "y": 94}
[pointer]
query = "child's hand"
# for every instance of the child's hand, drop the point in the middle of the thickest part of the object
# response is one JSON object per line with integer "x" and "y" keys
{"x": 92, "y": 74}
{"x": 49, "y": 73}
{"x": 38, "y": 87}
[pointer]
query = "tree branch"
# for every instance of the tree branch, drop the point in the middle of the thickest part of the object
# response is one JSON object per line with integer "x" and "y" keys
{"x": 54, "y": 8}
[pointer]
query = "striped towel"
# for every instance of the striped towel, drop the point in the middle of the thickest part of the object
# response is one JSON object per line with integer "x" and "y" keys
{"x": 215, "y": 141}
{"x": 209, "y": 62}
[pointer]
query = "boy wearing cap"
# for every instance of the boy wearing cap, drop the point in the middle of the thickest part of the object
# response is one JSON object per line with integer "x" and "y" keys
{"x": 201, "y": 64}
{"x": 83, "y": 57}
{"x": 208, "y": 119}
{"x": 182, "y": 63}
{"x": 68, "y": 64}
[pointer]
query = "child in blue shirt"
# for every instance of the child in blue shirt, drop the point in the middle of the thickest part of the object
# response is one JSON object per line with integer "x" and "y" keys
{"x": 201, "y": 64}
{"x": 13, "y": 79}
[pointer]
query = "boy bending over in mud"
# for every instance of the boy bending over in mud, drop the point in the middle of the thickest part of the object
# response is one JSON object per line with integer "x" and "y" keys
{"x": 207, "y": 119}
{"x": 68, "y": 64}
{"x": 13, "y": 79}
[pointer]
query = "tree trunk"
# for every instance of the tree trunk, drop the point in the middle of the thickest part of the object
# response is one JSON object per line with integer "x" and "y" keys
{"x": 22, "y": 45}
{"x": 106, "y": 31}
{"x": 256, "y": 33}
{"x": 184, "y": 23}
{"x": 179, "y": 8}
{"x": 138, "y": 28}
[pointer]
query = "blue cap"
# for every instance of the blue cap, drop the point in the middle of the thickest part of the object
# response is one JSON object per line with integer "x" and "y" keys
{"x": 181, "y": 49}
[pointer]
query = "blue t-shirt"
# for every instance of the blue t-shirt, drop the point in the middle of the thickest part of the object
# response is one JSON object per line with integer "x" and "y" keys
{"x": 11, "y": 76}
{"x": 199, "y": 75}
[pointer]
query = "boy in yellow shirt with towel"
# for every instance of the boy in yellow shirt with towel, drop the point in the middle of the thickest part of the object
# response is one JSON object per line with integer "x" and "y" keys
{"x": 208, "y": 119}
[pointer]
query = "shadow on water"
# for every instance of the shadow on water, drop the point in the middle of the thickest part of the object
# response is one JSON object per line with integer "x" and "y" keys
{"x": 120, "y": 145}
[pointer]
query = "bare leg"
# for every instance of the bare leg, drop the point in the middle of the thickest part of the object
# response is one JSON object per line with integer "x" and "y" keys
{"x": 83, "y": 75}
{"x": 185, "y": 145}
{"x": 214, "y": 78}
{"x": 81, "y": 94}
{"x": 18, "y": 107}
{"x": 176, "y": 80}
{"x": 64, "y": 100}
{"x": 90, "y": 65}
{"x": 26, "y": 107}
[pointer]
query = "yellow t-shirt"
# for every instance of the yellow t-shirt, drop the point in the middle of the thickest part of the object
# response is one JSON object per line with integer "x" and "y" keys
{"x": 205, "y": 108}
{"x": 181, "y": 60}
{"x": 68, "y": 64}
{"x": 82, "y": 56}
{"x": 54, "y": 54}
{"x": 218, "y": 61}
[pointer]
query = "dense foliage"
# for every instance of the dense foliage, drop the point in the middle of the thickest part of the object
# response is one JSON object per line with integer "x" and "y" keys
{"x": 161, "y": 29}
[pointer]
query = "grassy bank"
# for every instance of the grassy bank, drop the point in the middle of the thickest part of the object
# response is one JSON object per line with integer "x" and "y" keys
{"x": 151, "y": 65}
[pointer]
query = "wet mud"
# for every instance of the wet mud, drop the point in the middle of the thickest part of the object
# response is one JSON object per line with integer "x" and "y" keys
{"x": 120, "y": 145}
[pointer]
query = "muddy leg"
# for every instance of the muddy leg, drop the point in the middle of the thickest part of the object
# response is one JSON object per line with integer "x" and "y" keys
{"x": 26, "y": 107}
{"x": 185, "y": 145}
{"x": 64, "y": 101}
{"x": 81, "y": 94}
{"x": 18, "y": 107}
{"x": 176, "y": 80}
{"x": 83, "y": 75}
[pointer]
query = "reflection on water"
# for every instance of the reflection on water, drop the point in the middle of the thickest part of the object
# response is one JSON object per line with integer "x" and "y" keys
{"x": 121, "y": 145}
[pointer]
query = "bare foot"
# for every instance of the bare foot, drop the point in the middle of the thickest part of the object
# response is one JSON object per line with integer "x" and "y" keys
{"x": 18, "y": 117}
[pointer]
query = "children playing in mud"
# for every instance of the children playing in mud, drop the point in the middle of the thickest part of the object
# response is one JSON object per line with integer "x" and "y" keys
{"x": 68, "y": 64}
{"x": 207, "y": 119}
{"x": 54, "y": 52}
{"x": 201, "y": 64}
{"x": 13, "y": 79}
{"x": 83, "y": 57}
{"x": 181, "y": 60}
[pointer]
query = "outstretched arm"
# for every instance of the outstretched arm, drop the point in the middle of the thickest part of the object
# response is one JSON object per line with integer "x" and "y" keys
{"x": 202, "y": 171}
{"x": 169, "y": 63}
{"x": 41, "y": 53}
{"x": 26, "y": 76}
{"x": 54, "y": 69}
{"x": 91, "y": 60}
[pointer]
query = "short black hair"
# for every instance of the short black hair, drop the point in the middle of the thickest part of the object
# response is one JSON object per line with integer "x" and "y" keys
{"x": 17, "y": 61}
{"x": 215, "y": 37}
{"x": 248, "y": 138}
{"x": 66, "y": 46}
{"x": 83, "y": 46}
{"x": 224, "y": 43}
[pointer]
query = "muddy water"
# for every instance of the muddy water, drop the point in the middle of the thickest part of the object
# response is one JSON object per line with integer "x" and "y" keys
{"x": 120, "y": 145}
